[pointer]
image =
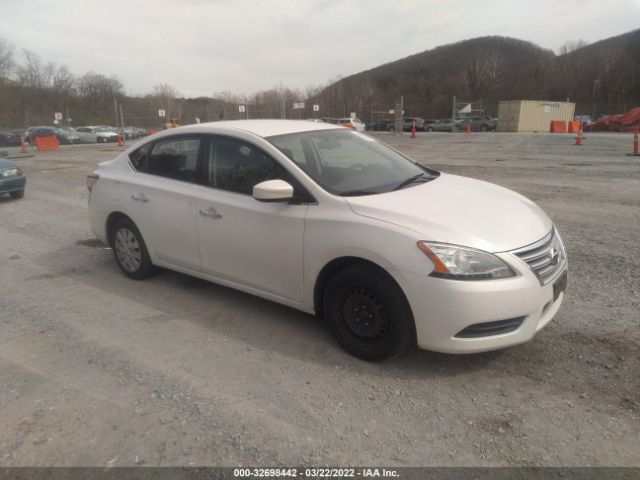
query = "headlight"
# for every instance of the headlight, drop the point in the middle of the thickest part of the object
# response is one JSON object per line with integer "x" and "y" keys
{"x": 10, "y": 172}
{"x": 462, "y": 263}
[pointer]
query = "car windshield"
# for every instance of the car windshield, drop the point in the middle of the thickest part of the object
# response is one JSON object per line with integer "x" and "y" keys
{"x": 347, "y": 163}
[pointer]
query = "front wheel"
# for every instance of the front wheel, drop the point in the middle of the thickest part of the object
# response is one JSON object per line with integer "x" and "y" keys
{"x": 130, "y": 250}
{"x": 429, "y": 129}
{"x": 368, "y": 314}
{"x": 17, "y": 194}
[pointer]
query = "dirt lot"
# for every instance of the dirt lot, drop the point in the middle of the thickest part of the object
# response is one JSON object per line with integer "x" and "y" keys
{"x": 96, "y": 369}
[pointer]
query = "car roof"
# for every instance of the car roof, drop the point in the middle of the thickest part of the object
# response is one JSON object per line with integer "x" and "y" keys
{"x": 262, "y": 128}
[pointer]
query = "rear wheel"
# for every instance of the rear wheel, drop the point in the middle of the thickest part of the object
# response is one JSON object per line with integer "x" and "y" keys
{"x": 368, "y": 314}
{"x": 130, "y": 250}
{"x": 429, "y": 129}
{"x": 17, "y": 194}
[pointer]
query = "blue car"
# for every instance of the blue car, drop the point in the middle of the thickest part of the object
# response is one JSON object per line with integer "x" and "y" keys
{"x": 12, "y": 180}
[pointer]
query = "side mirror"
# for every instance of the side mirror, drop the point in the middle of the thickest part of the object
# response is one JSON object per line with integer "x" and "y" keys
{"x": 273, "y": 191}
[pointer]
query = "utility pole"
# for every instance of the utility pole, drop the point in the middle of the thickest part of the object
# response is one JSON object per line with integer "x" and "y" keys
{"x": 115, "y": 107}
{"x": 453, "y": 116}
{"x": 122, "y": 124}
{"x": 283, "y": 111}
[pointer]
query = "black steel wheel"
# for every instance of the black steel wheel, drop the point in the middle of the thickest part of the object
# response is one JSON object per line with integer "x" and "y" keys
{"x": 368, "y": 314}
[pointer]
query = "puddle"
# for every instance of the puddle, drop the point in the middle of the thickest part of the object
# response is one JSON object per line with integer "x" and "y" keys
{"x": 92, "y": 243}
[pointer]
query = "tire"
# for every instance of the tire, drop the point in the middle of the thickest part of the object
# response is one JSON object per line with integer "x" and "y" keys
{"x": 484, "y": 128}
{"x": 391, "y": 129}
{"x": 429, "y": 129}
{"x": 130, "y": 251}
{"x": 368, "y": 314}
{"x": 17, "y": 194}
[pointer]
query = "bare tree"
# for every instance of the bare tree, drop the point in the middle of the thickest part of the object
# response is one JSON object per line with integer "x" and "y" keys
{"x": 571, "y": 45}
{"x": 166, "y": 97}
{"x": 31, "y": 72}
{"x": 7, "y": 63}
{"x": 483, "y": 72}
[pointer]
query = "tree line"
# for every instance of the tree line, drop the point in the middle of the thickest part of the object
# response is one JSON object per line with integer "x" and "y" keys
{"x": 603, "y": 77}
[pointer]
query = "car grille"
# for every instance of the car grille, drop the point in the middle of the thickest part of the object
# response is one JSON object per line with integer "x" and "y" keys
{"x": 545, "y": 258}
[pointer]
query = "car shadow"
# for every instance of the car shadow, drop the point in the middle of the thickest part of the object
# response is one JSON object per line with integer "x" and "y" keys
{"x": 263, "y": 325}
{"x": 258, "y": 323}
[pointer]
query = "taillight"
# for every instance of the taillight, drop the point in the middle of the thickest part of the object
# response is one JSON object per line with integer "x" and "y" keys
{"x": 348, "y": 125}
{"x": 91, "y": 181}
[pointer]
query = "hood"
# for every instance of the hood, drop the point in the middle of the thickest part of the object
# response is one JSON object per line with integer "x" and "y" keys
{"x": 461, "y": 211}
{"x": 5, "y": 163}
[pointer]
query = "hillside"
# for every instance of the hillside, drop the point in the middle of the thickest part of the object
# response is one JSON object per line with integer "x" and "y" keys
{"x": 493, "y": 69}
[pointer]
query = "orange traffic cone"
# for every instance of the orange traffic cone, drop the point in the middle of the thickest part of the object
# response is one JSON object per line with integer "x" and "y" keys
{"x": 413, "y": 130}
{"x": 635, "y": 145}
{"x": 120, "y": 140}
{"x": 23, "y": 145}
{"x": 468, "y": 128}
{"x": 579, "y": 137}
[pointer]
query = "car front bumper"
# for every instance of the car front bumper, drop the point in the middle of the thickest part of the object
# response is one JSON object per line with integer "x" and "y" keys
{"x": 443, "y": 309}
{"x": 12, "y": 184}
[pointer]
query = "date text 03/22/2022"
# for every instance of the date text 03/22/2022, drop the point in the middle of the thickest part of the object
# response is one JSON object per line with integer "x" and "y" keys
{"x": 315, "y": 473}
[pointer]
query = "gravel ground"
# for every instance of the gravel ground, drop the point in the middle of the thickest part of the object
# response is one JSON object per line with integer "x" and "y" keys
{"x": 98, "y": 370}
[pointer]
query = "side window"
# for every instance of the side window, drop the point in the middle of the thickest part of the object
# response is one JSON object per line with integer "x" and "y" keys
{"x": 139, "y": 157}
{"x": 237, "y": 166}
{"x": 175, "y": 158}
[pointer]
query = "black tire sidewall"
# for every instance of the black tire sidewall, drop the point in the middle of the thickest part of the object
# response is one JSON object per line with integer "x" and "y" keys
{"x": 17, "y": 194}
{"x": 146, "y": 268}
{"x": 402, "y": 330}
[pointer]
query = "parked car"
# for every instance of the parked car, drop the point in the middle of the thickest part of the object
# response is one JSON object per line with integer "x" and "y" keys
{"x": 12, "y": 179}
{"x": 583, "y": 119}
{"x": 379, "y": 125}
{"x": 65, "y": 137}
{"x": 9, "y": 139}
{"x": 95, "y": 134}
{"x": 333, "y": 222}
{"x": 443, "y": 125}
{"x": 407, "y": 124}
{"x": 479, "y": 124}
{"x": 354, "y": 123}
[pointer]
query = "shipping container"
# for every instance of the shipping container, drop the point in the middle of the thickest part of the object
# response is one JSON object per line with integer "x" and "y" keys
{"x": 532, "y": 115}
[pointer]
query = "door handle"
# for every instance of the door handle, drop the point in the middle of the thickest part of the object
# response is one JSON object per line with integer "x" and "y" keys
{"x": 139, "y": 197}
{"x": 210, "y": 212}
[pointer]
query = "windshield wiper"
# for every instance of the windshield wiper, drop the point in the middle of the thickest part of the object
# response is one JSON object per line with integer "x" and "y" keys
{"x": 410, "y": 180}
{"x": 355, "y": 193}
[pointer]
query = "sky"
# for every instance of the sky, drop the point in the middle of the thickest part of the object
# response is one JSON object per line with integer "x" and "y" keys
{"x": 202, "y": 47}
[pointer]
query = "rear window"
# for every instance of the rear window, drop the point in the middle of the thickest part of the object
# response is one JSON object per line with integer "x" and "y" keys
{"x": 138, "y": 157}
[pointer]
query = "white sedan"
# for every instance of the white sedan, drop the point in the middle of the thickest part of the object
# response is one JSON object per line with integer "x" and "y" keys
{"x": 96, "y": 135}
{"x": 330, "y": 221}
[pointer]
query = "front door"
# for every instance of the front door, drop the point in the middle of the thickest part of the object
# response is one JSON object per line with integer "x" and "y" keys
{"x": 243, "y": 240}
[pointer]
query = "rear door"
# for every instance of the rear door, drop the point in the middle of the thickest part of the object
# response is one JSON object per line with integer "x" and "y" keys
{"x": 160, "y": 197}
